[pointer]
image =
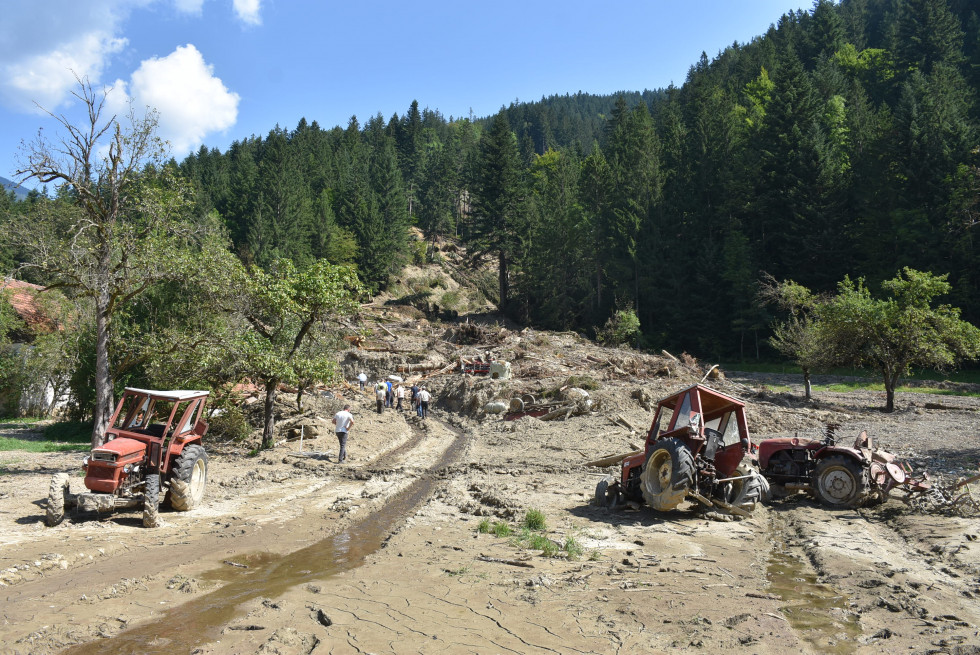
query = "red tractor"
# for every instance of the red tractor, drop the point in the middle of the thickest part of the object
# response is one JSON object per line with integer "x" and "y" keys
{"x": 694, "y": 450}
{"x": 153, "y": 444}
{"x": 838, "y": 476}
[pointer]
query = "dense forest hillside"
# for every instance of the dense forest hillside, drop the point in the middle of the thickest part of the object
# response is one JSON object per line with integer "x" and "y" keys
{"x": 843, "y": 141}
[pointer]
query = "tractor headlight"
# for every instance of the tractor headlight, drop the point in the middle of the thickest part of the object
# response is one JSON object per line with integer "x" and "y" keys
{"x": 127, "y": 468}
{"x": 85, "y": 462}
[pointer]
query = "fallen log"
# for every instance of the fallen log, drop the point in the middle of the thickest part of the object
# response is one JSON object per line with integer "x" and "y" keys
{"x": 609, "y": 460}
{"x": 387, "y": 331}
{"x": 626, "y": 424}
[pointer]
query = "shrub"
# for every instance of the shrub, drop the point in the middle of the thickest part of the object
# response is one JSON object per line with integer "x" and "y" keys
{"x": 621, "y": 328}
{"x": 501, "y": 529}
{"x": 229, "y": 422}
{"x": 484, "y": 527}
{"x": 534, "y": 520}
{"x": 572, "y": 547}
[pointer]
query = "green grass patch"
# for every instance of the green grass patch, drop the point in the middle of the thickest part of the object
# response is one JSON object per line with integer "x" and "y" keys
{"x": 455, "y": 573}
{"x": 971, "y": 376}
{"x": 69, "y": 432}
{"x": 11, "y": 423}
{"x": 573, "y": 547}
{"x": 534, "y": 520}
{"x": 58, "y": 438}
{"x": 9, "y": 443}
{"x": 844, "y": 387}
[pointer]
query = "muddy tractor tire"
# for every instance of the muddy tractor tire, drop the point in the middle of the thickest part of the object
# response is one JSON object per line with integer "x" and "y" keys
{"x": 151, "y": 501}
{"x": 55, "y": 512}
{"x": 748, "y": 492}
{"x": 839, "y": 481}
{"x": 667, "y": 475}
{"x": 603, "y": 496}
{"x": 188, "y": 479}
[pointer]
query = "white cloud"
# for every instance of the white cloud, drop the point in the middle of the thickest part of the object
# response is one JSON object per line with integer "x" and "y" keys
{"x": 248, "y": 11}
{"x": 47, "y": 78}
{"x": 193, "y": 7}
{"x": 43, "y": 47}
{"x": 191, "y": 101}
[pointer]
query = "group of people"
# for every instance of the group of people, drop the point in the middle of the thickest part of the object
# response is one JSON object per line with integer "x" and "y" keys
{"x": 389, "y": 394}
{"x": 386, "y": 394}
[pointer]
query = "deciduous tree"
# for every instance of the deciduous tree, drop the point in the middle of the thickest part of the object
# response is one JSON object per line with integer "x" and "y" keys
{"x": 121, "y": 226}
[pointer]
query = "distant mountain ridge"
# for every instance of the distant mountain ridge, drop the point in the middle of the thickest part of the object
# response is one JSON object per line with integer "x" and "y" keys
{"x": 10, "y": 185}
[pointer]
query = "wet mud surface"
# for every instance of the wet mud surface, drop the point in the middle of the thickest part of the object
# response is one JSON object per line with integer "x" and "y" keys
{"x": 293, "y": 553}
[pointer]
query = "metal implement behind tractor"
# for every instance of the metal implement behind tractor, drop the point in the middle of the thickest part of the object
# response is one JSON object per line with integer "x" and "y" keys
{"x": 694, "y": 451}
{"x": 153, "y": 445}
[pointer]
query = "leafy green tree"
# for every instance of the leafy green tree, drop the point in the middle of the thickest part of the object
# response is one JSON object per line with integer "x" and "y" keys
{"x": 286, "y": 311}
{"x": 902, "y": 330}
{"x": 801, "y": 337}
{"x": 125, "y": 230}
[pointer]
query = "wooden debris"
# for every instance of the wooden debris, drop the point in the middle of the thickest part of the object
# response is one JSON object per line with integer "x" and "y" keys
{"x": 387, "y": 331}
{"x": 609, "y": 460}
{"x": 511, "y": 562}
{"x": 236, "y": 564}
{"x": 621, "y": 420}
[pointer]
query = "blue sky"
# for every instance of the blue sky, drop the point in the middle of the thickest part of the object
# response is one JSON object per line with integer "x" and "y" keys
{"x": 218, "y": 71}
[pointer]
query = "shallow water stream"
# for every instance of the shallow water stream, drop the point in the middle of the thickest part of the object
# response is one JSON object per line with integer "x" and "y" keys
{"x": 200, "y": 621}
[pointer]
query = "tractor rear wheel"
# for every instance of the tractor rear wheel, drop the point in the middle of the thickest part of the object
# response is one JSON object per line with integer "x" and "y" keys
{"x": 55, "y": 512}
{"x": 151, "y": 501}
{"x": 188, "y": 478}
{"x": 839, "y": 481}
{"x": 667, "y": 475}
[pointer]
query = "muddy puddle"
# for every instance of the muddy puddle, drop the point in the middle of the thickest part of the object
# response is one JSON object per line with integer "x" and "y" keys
{"x": 263, "y": 575}
{"x": 817, "y": 612}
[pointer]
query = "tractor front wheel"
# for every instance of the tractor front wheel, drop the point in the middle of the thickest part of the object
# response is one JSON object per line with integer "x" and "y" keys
{"x": 151, "y": 501}
{"x": 606, "y": 492}
{"x": 55, "y": 512}
{"x": 747, "y": 492}
{"x": 840, "y": 481}
{"x": 189, "y": 476}
{"x": 667, "y": 475}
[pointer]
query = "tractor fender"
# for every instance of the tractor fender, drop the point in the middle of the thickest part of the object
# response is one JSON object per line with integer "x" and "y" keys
{"x": 854, "y": 453}
{"x": 177, "y": 447}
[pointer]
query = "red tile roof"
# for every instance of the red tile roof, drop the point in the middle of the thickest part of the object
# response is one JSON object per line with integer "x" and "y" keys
{"x": 23, "y": 297}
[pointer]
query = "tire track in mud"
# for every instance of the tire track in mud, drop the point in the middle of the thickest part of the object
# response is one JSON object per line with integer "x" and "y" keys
{"x": 205, "y": 616}
{"x": 901, "y": 595}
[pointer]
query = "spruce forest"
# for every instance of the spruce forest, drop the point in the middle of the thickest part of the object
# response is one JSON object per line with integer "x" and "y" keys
{"x": 842, "y": 142}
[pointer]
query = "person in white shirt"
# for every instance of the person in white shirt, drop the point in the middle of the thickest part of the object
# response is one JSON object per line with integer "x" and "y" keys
{"x": 344, "y": 421}
{"x": 362, "y": 379}
{"x": 424, "y": 398}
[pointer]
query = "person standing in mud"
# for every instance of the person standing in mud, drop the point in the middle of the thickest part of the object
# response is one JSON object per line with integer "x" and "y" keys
{"x": 344, "y": 421}
{"x": 424, "y": 397}
{"x": 415, "y": 396}
{"x": 362, "y": 379}
{"x": 380, "y": 391}
{"x": 399, "y": 396}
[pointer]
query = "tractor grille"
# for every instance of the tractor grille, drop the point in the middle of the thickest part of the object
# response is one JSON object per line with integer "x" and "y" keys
{"x": 103, "y": 455}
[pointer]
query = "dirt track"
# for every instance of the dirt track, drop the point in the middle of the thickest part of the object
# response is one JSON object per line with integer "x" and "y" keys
{"x": 794, "y": 577}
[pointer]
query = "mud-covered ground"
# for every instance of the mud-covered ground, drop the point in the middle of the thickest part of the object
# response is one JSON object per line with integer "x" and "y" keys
{"x": 294, "y": 553}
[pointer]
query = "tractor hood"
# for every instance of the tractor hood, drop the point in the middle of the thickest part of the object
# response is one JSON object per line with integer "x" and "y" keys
{"x": 119, "y": 448}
